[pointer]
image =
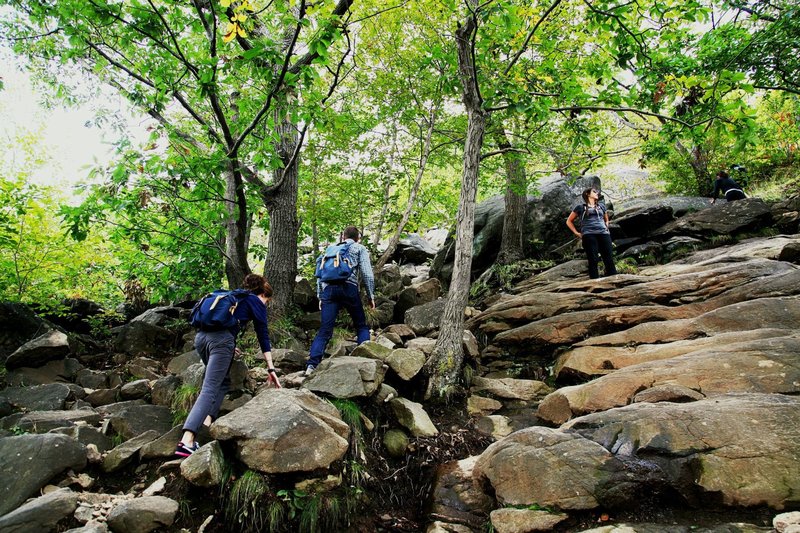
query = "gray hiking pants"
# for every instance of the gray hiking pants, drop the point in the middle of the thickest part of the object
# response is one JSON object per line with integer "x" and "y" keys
{"x": 216, "y": 349}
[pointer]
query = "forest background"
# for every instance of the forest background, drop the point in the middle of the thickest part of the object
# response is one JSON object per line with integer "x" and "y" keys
{"x": 272, "y": 124}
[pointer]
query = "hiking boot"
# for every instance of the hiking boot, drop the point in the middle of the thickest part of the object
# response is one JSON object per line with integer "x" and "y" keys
{"x": 183, "y": 450}
{"x": 309, "y": 371}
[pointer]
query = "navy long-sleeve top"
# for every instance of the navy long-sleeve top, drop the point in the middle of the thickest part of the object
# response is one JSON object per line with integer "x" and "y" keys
{"x": 723, "y": 185}
{"x": 251, "y": 308}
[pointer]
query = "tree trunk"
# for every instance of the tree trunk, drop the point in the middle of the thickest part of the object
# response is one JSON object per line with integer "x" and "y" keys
{"x": 511, "y": 246}
{"x": 236, "y": 228}
{"x": 412, "y": 195}
{"x": 387, "y": 192}
{"x": 444, "y": 365}
{"x": 280, "y": 267}
{"x": 697, "y": 158}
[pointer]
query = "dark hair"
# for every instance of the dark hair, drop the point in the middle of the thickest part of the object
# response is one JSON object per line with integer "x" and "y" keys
{"x": 722, "y": 174}
{"x": 257, "y": 284}
{"x": 351, "y": 232}
{"x": 585, "y": 194}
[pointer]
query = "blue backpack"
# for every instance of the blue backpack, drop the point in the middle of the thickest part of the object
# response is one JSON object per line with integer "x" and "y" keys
{"x": 335, "y": 266}
{"x": 214, "y": 312}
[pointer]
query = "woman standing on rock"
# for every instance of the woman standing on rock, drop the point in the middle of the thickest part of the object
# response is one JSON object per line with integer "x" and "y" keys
{"x": 594, "y": 234}
{"x": 217, "y": 349}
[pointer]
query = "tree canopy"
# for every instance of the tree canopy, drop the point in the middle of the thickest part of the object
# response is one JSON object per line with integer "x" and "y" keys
{"x": 275, "y": 124}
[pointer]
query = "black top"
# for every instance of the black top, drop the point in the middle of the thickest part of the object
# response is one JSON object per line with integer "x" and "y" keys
{"x": 723, "y": 185}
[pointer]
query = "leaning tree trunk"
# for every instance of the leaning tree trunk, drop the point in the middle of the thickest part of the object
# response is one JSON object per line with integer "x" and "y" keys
{"x": 280, "y": 267}
{"x": 236, "y": 228}
{"x": 445, "y": 363}
{"x": 387, "y": 193}
{"x": 412, "y": 195}
{"x": 511, "y": 246}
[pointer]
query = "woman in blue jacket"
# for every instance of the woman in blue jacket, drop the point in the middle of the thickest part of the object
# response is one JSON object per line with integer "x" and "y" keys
{"x": 217, "y": 349}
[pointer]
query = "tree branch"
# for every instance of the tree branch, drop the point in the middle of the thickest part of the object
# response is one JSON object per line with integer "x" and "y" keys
{"x": 503, "y": 151}
{"x": 529, "y": 37}
{"x": 234, "y": 147}
{"x": 628, "y": 110}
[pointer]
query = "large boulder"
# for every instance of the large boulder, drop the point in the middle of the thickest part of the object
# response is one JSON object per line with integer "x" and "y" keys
{"x": 142, "y": 515}
{"x": 138, "y": 419}
{"x": 413, "y": 417}
{"x": 30, "y": 461}
{"x": 124, "y": 453}
{"x": 761, "y": 365}
{"x": 759, "y": 313}
{"x": 40, "y": 514}
{"x": 597, "y": 360}
{"x": 786, "y": 214}
{"x": 416, "y": 294}
{"x": 143, "y": 338}
{"x": 551, "y": 468}
{"x": 49, "y": 397}
{"x": 60, "y": 371}
{"x": 285, "y": 430}
{"x": 50, "y": 346}
{"x": 457, "y": 496}
{"x": 425, "y": 318}
{"x": 18, "y": 325}
{"x": 413, "y": 249}
{"x": 538, "y": 320}
{"x": 510, "y": 389}
{"x": 162, "y": 316}
{"x": 75, "y": 315}
{"x": 206, "y": 466}
{"x": 347, "y": 377}
{"x": 406, "y": 363}
{"x": 305, "y": 295}
{"x": 735, "y": 450}
{"x": 44, "y": 421}
{"x": 732, "y": 218}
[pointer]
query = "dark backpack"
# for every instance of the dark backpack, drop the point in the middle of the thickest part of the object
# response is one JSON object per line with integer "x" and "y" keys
{"x": 335, "y": 266}
{"x": 214, "y": 312}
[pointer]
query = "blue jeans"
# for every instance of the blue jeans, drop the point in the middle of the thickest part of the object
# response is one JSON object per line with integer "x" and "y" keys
{"x": 599, "y": 242}
{"x": 216, "y": 349}
{"x": 333, "y": 298}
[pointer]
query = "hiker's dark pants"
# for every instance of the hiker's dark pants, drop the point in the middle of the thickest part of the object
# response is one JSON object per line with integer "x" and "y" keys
{"x": 333, "y": 298}
{"x": 599, "y": 242}
{"x": 216, "y": 349}
{"x": 734, "y": 194}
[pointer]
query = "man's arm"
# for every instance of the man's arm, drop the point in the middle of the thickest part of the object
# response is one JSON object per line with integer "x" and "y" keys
{"x": 367, "y": 275}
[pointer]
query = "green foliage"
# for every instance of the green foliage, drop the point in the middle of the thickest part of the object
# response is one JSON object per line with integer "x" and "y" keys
{"x": 627, "y": 265}
{"x": 573, "y": 86}
{"x": 245, "y": 504}
{"x": 350, "y": 412}
{"x": 295, "y": 501}
{"x": 503, "y": 277}
{"x": 182, "y": 401}
{"x": 281, "y": 330}
{"x": 721, "y": 240}
{"x": 353, "y": 470}
{"x": 116, "y": 440}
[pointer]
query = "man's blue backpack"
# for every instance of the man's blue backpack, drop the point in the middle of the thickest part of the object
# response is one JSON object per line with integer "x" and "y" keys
{"x": 335, "y": 266}
{"x": 214, "y": 312}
